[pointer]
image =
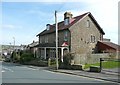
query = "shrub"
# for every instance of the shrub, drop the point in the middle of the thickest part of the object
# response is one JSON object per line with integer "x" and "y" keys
{"x": 14, "y": 57}
{"x": 66, "y": 64}
{"x": 67, "y": 58}
{"x": 26, "y": 57}
{"x": 36, "y": 62}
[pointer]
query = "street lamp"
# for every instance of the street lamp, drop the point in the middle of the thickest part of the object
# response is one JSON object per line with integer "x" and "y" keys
{"x": 10, "y": 48}
{"x": 14, "y": 42}
{"x": 56, "y": 40}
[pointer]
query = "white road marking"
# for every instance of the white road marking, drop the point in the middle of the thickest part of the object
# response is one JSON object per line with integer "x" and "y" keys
{"x": 8, "y": 69}
{"x": 30, "y": 68}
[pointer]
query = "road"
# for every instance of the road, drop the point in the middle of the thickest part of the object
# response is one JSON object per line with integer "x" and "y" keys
{"x": 12, "y": 73}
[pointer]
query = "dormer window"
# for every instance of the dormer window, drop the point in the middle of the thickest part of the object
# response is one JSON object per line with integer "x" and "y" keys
{"x": 48, "y": 26}
{"x": 66, "y": 21}
{"x": 88, "y": 23}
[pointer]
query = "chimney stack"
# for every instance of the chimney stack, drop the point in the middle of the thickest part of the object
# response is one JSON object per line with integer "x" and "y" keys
{"x": 48, "y": 26}
{"x": 67, "y": 15}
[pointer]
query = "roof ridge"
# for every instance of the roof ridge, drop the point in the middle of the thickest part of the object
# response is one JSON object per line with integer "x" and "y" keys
{"x": 71, "y": 18}
{"x": 61, "y": 25}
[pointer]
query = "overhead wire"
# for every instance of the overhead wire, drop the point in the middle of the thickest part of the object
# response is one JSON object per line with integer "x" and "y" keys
{"x": 51, "y": 18}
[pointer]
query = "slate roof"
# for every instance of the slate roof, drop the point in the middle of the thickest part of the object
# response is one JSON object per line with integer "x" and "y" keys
{"x": 61, "y": 25}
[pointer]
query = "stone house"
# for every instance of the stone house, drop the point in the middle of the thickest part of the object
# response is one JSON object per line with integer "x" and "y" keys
{"x": 78, "y": 35}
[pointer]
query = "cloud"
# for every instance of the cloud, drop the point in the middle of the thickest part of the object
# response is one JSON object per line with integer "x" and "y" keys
{"x": 105, "y": 12}
{"x": 10, "y": 26}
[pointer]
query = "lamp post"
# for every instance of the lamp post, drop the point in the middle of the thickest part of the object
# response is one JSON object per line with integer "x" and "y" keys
{"x": 14, "y": 43}
{"x": 10, "y": 48}
{"x": 56, "y": 40}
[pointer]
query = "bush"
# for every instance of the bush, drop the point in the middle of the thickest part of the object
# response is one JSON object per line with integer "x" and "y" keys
{"x": 67, "y": 58}
{"x": 66, "y": 64}
{"x": 15, "y": 57}
{"x": 36, "y": 62}
{"x": 26, "y": 57}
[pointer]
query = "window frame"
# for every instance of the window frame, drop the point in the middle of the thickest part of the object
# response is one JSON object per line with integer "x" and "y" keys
{"x": 92, "y": 39}
{"x": 46, "y": 39}
{"x": 66, "y": 35}
{"x": 88, "y": 24}
{"x": 40, "y": 39}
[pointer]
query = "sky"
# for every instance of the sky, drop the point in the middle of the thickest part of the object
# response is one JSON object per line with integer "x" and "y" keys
{"x": 24, "y": 19}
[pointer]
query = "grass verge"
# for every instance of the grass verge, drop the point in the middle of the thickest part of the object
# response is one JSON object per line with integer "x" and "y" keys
{"x": 107, "y": 64}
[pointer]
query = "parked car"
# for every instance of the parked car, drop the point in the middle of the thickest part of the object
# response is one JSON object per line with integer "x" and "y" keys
{"x": 7, "y": 57}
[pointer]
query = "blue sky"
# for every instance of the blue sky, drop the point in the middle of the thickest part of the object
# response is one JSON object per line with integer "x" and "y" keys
{"x": 24, "y": 20}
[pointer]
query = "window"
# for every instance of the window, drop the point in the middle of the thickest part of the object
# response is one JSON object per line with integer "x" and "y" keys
{"x": 88, "y": 24}
{"x": 46, "y": 39}
{"x": 101, "y": 37}
{"x": 65, "y": 33}
{"x": 65, "y": 36}
{"x": 92, "y": 39}
{"x": 40, "y": 39}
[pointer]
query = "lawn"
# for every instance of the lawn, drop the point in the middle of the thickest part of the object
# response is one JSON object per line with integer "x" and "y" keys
{"x": 107, "y": 64}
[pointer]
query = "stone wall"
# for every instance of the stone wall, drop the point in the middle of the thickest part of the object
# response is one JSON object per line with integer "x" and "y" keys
{"x": 51, "y": 37}
{"x": 89, "y": 58}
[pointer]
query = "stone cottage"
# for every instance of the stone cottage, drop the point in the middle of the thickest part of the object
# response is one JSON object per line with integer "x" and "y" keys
{"x": 78, "y": 35}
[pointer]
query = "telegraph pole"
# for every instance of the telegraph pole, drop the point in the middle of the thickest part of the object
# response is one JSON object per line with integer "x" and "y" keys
{"x": 56, "y": 40}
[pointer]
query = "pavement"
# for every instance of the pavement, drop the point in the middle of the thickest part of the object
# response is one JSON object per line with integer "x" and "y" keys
{"x": 112, "y": 75}
{"x": 103, "y": 75}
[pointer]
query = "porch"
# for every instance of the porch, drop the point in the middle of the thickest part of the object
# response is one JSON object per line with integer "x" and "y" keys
{"x": 50, "y": 52}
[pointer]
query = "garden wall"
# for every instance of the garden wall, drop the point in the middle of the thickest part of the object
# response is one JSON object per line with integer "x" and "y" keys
{"x": 89, "y": 58}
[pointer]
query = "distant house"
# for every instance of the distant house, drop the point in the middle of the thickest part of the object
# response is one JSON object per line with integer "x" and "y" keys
{"x": 31, "y": 47}
{"x": 107, "y": 47}
{"x": 8, "y": 49}
{"x": 78, "y": 34}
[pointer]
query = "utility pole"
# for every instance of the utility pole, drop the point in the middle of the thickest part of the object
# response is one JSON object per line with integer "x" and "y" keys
{"x": 56, "y": 40}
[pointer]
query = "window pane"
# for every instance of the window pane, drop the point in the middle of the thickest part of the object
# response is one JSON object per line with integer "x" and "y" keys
{"x": 88, "y": 23}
